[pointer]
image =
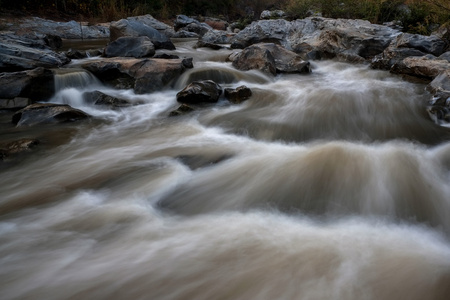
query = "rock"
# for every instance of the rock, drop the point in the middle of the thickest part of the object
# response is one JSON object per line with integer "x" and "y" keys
{"x": 166, "y": 56}
{"x": 128, "y": 46}
{"x": 426, "y": 44}
{"x": 238, "y": 95}
{"x": 421, "y": 67}
{"x": 441, "y": 83}
{"x": 269, "y": 58}
{"x": 53, "y": 41}
{"x": 320, "y": 37}
{"x": 182, "y": 34}
{"x": 214, "y": 39}
{"x": 185, "y": 23}
{"x": 47, "y": 113}
{"x": 37, "y": 84}
{"x": 181, "y": 110}
{"x": 148, "y": 20}
{"x": 217, "y": 24}
{"x": 18, "y": 53}
{"x": 272, "y": 14}
{"x": 148, "y": 74}
{"x": 134, "y": 28}
{"x": 80, "y": 54}
{"x": 200, "y": 92}
{"x": 65, "y": 30}
{"x": 439, "y": 105}
{"x": 99, "y": 98}
{"x": 445, "y": 56}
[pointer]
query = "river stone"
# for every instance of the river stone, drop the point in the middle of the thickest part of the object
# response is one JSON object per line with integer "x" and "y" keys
{"x": 128, "y": 46}
{"x": 134, "y": 28}
{"x": 53, "y": 41}
{"x": 238, "y": 95}
{"x": 148, "y": 74}
{"x": 37, "y": 84}
{"x": 272, "y": 14}
{"x": 47, "y": 113}
{"x": 214, "y": 39}
{"x": 182, "y": 34}
{"x": 440, "y": 83}
{"x": 200, "y": 92}
{"x": 217, "y": 24}
{"x": 426, "y": 44}
{"x": 149, "y": 20}
{"x": 18, "y": 53}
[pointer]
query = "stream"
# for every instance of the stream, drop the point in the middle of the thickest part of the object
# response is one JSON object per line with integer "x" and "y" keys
{"x": 330, "y": 185}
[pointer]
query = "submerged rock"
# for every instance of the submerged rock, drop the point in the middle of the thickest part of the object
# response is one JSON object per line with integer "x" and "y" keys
{"x": 47, "y": 113}
{"x": 18, "y": 147}
{"x": 204, "y": 91}
{"x": 181, "y": 110}
{"x": 188, "y": 24}
{"x": 128, "y": 46}
{"x": 238, "y": 95}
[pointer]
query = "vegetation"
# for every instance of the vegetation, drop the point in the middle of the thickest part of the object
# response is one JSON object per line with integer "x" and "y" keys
{"x": 415, "y": 15}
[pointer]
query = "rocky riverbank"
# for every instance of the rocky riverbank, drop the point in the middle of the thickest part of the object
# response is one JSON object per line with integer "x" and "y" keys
{"x": 30, "y": 52}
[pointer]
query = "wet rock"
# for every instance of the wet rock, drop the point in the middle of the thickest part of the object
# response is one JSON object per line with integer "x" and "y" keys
{"x": 188, "y": 24}
{"x": 238, "y": 95}
{"x": 181, "y": 110}
{"x": 148, "y": 74}
{"x": 47, "y": 113}
{"x": 426, "y": 44}
{"x": 80, "y": 54}
{"x": 440, "y": 83}
{"x": 37, "y": 84}
{"x": 265, "y": 31}
{"x": 445, "y": 56}
{"x": 134, "y": 28}
{"x": 182, "y": 34}
{"x": 18, "y": 53}
{"x": 205, "y": 91}
{"x": 148, "y": 20}
{"x": 99, "y": 98}
{"x": 270, "y": 58}
{"x": 130, "y": 47}
{"x": 272, "y": 14}
{"x": 439, "y": 105}
{"x": 166, "y": 56}
{"x": 18, "y": 147}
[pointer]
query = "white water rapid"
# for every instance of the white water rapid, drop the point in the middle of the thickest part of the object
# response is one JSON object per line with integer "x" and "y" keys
{"x": 332, "y": 185}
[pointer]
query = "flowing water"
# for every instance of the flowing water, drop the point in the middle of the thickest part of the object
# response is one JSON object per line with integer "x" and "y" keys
{"x": 333, "y": 185}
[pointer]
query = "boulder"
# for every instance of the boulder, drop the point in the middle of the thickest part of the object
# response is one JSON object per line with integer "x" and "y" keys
{"x": 421, "y": 67}
{"x": 426, "y": 44}
{"x": 37, "y": 84}
{"x": 18, "y": 53}
{"x": 217, "y": 24}
{"x": 183, "y": 34}
{"x": 134, "y": 28}
{"x": 319, "y": 37}
{"x": 148, "y": 20}
{"x": 238, "y": 95}
{"x": 13, "y": 104}
{"x": 204, "y": 91}
{"x": 147, "y": 74}
{"x": 214, "y": 39}
{"x": 269, "y": 58}
{"x": 99, "y": 98}
{"x": 188, "y": 24}
{"x": 439, "y": 105}
{"x": 66, "y": 30}
{"x": 128, "y": 46}
{"x": 53, "y": 41}
{"x": 441, "y": 83}
{"x": 47, "y": 113}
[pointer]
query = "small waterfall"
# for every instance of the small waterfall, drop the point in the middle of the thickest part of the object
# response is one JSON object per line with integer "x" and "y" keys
{"x": 73, "y": 78}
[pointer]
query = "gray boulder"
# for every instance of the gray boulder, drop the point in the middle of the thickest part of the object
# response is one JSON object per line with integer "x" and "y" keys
{"x": 269, "y": 58}
{"x": 128, "y": 46}
{"x": 99, "y": 98}
{"x": 47, "y": 113}
{"x": 272, "y": 14}
{"x": 204, "y": 91}
{"x": 425, "y": 67}
{"x": 214, "y": 39}
{"x": 146, "y": 75}
{"x": 185, "y": 23}
{"x": 134, "y": 28}
{"x": 18, "y": 53}
{"x": 148, "y": 20}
